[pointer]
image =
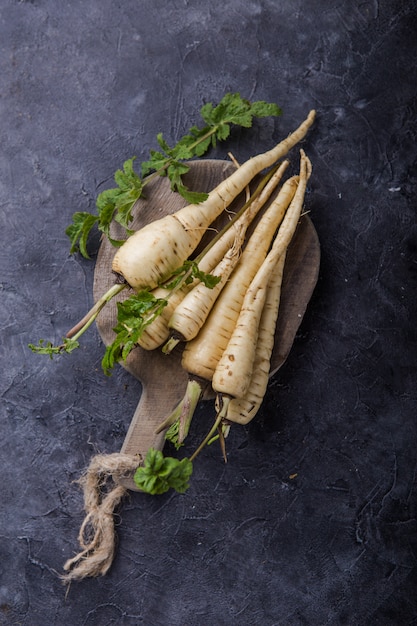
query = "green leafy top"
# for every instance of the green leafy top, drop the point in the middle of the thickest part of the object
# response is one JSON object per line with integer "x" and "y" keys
{"x": 117, "y": 203}
{"x": 133, "y": 315}
{"x": 189, "y": 271}
{"x": 68, "y": 345}
{"x": 161, "y": 473}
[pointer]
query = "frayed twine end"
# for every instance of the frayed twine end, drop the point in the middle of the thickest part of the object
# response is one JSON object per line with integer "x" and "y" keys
{"x": 97, "y": 535}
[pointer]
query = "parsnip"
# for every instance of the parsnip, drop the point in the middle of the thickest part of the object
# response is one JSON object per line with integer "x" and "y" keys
{"x": 243, "y": 409}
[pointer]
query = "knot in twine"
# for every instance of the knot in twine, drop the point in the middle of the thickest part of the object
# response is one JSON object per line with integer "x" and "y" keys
{"x": 97, "y": 535}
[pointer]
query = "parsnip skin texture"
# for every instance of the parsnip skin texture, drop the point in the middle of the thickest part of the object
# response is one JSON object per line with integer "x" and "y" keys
{"x": 216, "y": 253}
{"x": 233, "y": 373}
{"x": 189, "y": 317}
{"x": 242, "y": 410}
{"x": 188, "y": 308}
{"x": 234, "y": 370}
{"x": 156, "y": 333}
{"x": 202, "y": 354}
{"x": 244, "y": 355}
{"x": 151, "y": 254}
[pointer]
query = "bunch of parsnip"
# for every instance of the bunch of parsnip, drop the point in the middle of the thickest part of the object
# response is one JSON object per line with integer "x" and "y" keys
{"x": 226, "y": 325}
{"x": 221, "y": 305}
{"x": 218, "y": 305}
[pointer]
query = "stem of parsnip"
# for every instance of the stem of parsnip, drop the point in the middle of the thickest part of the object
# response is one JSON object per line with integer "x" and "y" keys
{"x": 80, "y": 328}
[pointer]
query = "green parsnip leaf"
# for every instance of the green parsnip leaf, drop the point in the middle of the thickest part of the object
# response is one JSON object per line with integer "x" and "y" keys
{"x": 117, "y": 203}
{"x": 188, "y": 272}
{"x": 46, "y": 347}
{"x": 133, "y": 315}
{"x": 172, "y": 434}
{"x": 157, "y": 163}
{"x": 192, "y": 197}
{"x": 160, "y": 473}
{"x": 79, "y": 230}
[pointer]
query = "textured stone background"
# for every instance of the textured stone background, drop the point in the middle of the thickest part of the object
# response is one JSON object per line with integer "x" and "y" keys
{"x": 85, "y": 85}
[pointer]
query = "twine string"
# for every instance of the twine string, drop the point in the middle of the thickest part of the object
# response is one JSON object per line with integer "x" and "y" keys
{"x": 102, "y": 495}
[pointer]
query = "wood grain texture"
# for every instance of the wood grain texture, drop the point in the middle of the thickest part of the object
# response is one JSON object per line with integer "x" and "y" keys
{"x": 162, "y": 377}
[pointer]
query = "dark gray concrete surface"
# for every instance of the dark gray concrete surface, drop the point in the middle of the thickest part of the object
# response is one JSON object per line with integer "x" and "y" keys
{"x": 86, "y": 85}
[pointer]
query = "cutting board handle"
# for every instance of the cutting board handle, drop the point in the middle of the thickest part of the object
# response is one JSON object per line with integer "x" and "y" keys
{"x": 153, "y": 407}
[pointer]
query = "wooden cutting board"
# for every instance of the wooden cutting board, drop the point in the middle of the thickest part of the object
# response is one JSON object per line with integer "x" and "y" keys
{"x": 162, "y": 378}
